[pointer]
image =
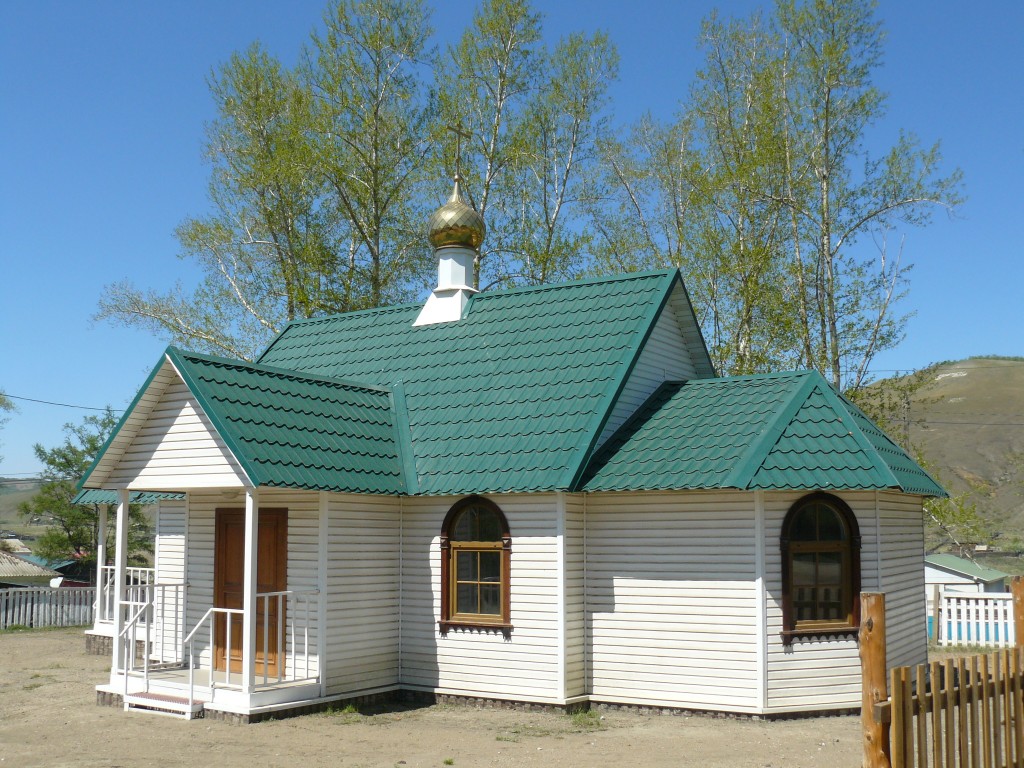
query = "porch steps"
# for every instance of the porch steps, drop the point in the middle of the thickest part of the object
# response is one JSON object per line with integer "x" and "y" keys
{"x": 162, "y": 704}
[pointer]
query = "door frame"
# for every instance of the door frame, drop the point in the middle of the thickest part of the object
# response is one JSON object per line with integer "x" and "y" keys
{"x": 272, "y": 556}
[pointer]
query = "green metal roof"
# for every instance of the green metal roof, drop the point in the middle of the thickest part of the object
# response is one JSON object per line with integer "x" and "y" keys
{"x": 965, "y": 567}
{"x": 772, "y": 431}
{"x": 510, "y": 398}
{"x": 295, "y": 430}
{"x": 145, "y": 498}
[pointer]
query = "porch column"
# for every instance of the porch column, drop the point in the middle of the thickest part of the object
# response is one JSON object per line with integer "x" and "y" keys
{"x": 252, "y": 520}
{"x": 101, "y": 559}
{"x": 120, "y": 574}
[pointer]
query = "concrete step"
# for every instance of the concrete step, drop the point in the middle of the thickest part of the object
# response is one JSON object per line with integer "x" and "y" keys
{"x": 162, "y": 704}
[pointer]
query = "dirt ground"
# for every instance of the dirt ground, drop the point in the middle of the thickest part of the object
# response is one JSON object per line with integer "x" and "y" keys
{"x": 48, "y": 717}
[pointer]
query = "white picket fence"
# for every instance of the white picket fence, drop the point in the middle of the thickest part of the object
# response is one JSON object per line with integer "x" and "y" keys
{"x": 974, "y": 618}
{"x": 47, "y": 607}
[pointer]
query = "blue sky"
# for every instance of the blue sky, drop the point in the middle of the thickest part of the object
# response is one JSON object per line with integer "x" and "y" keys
{"x": 102, "y": 108}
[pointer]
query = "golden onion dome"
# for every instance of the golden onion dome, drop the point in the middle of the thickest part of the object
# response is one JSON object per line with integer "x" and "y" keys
{"x": 456, "y": 223}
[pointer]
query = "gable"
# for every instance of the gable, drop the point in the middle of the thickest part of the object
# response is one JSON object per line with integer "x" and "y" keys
{"x": 670, "y": 353}
{"x": 165, "y": 441}
{"x": 510, "y": 398}
{"x": 770, "y": 432}
{"x": 211, "y": 422}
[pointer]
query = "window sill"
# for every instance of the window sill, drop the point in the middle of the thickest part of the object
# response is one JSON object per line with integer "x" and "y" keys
{"x": 478, "y": 626}
{"x": 788, "y": 635}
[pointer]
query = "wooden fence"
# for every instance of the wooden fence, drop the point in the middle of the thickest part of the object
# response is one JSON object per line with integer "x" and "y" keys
{"x": 46, "y": 607}
{"x": 959, "y": 713}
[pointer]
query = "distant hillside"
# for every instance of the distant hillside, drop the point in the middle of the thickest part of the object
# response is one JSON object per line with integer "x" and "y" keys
{"x": 12, "y": 493}
{"x": 967, "y": 420}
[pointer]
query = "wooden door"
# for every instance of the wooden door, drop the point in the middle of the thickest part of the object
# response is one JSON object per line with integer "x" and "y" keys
{"x": 229, "y": 585}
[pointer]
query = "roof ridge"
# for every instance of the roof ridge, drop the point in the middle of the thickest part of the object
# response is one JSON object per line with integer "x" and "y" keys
{"x": 616, "y": 278}
{"x": 291, "y": 373}
{"x": 741, "y": 475}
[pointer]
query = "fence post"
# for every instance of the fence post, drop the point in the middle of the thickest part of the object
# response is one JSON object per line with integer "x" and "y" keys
{"x": 1017, "y": 590}
{"x": 873, "y": 679}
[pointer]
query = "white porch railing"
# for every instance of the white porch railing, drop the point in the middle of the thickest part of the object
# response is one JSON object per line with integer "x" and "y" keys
{"x": 295, "y": 611}
{"x": 106, "y": 595}
{"x": 152, "y": 633}
{"x": 969, "y": 618}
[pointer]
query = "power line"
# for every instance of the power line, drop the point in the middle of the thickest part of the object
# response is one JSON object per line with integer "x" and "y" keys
{"x": 62, "y": 405}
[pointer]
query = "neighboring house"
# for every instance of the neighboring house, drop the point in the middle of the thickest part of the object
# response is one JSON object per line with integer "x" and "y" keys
{"x": 538, "y": 495}
{"x": 958, "y": 574}
{"x": 72, "y": 572}
{"x": 16, "y": 571}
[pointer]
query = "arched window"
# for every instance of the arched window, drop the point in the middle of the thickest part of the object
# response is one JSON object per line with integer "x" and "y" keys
{"x": 476, "y": 553}
{"x": 820, "y": 568}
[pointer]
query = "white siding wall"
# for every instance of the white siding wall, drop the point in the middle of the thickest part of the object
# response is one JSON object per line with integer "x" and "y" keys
{"x": 170, "y": 541}
{"x": 302, "y": 509}
{"x": 902, "y": 578}
{"x": 362, "y": 586}
{"x": 176, "y": 448}
{"x": 480, "y": 663}
{"x": 664, "y": 358}
{"x": 199, "y": 564}
{"x": 575, "y": 604}
{"x": 169, "y": 563}
{"x": 817, "y": 674}
{"x": 810, "y": 673}
{"x": 672, "y": 599}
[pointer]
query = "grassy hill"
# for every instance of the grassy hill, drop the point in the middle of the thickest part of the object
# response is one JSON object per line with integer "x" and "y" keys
{"x": 11, "y": 495}
{"x": 967, "y": 421}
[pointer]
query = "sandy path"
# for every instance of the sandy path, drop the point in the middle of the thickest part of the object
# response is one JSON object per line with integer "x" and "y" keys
{"x": 48, "y": 717}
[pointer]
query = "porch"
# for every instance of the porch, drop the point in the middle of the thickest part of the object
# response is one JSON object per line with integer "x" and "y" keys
{"x": 161, "y": 664}
{"x": 232, "y": 637}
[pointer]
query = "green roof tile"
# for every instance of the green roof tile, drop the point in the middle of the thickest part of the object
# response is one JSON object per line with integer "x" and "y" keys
{"x": 507, "y": 398}
{"x": 964, "y": 566}
{"x": 146, "y": 498}
{"x": 775, "y": 431}
{"x": 294, "y": 430}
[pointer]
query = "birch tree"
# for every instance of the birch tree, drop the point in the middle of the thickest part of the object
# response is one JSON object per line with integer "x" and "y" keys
{"x": 267, "y": 251}
{"x": 372, "y": 129}
{"x": 534, "y": 114}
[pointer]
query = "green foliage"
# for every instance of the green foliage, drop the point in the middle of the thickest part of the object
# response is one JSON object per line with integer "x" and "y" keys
{"x": 6, "y": 407}
{"x": 371, "y": 126}
{"x": 535, "y": 115}
{"x": 586, "y": 720}
{"x": 74, "y": 529}
{"x": 762, "y": 192}
{"x": 788, "y": 230}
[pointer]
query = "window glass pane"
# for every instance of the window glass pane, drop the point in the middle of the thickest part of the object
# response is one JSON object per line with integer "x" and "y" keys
{"x": 804, "y": 526}
{"x": 490, "y": 599}
{"x": 476, "y": 524}
{"x": 804, "y": 603}
{"x": 803, "y": 568}
{"x": 490, "y": 566}
{"x": 465, "y": 526}
{"x": 466, "y": 598}
{"x": 466, "y": 566}
{"x": 830, "y": 568}
{"x": 830, "y": 527}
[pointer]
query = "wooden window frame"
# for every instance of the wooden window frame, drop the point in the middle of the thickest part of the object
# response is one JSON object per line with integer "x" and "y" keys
{"x": 449, "y": 619}
{"x": 850, "y": 551}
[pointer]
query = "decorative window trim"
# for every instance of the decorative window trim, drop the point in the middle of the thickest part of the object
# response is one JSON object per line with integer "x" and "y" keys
{"x": 451, "y": 620}
{"x": 791, "y": 628}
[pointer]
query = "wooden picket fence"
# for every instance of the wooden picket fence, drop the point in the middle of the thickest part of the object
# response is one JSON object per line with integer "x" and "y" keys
{"x": 47, "y": 607}
{"x": 966, "y": 712}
